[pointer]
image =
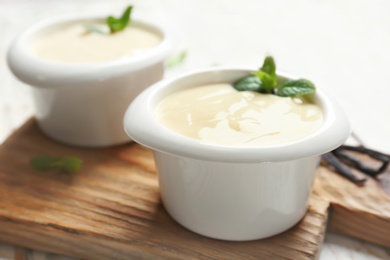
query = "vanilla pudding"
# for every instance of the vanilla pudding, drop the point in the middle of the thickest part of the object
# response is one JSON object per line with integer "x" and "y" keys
{"x": 219, "y": 114}
{"x": 75, "y": 44}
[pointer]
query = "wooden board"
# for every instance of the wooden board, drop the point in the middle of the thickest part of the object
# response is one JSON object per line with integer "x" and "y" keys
{"x": 111, "y": 209}
{"x": 359, "y": 212}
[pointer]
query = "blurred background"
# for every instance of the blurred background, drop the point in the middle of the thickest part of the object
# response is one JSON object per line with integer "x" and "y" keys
{"x": 342, "y": 46}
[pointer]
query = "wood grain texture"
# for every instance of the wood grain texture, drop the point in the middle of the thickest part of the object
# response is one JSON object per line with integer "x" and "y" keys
{"x": 359, "y": 212}
{"x": 112, "y": 210}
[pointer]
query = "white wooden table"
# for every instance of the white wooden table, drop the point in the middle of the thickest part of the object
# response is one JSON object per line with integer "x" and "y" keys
{"x": 342, "y": 46}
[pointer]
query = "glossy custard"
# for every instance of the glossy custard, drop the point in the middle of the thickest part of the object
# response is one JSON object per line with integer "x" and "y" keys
{"x": 219, "y": 114}
{"x": 74, "y": 44}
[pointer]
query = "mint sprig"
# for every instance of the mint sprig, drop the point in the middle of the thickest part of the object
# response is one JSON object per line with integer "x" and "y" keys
{"x": 249, "y": 83}
{"x": 298, "y": 87}
{"x": 265, "y": 81}
{"x": 177, "y": 59}
{"x": 267, "y": 74}
{"x": 119, "y": 24}
{"x": 44, "y": 162}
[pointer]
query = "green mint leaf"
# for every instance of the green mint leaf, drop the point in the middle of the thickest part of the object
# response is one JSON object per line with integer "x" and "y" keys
{"x": 265, "y": 81}
{"x": 45, "y": 162}
{"x": 72, "y": 164}
{"x": 118, "y": 24}
{"x": 41, "y": 163}
{"x": 249, "y": 83}
{"x": 269, "y": 66}
{"x": 267, "y": 75}
{"x": 176, "y": 60}
{"x": 268, "y": 81}
{"x": 293, "y": 88}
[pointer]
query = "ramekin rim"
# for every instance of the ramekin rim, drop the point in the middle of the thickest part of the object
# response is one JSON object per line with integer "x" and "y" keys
{"x": 46, "y": 73}
{"x": 141, "y": 125}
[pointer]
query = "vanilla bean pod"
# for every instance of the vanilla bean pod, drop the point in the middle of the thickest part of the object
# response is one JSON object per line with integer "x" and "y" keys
{"x": 342, "y": 169}
{"x": 356, "y": 163}
{"x": 385, "y": 159}
{"x": 372, "y": 153}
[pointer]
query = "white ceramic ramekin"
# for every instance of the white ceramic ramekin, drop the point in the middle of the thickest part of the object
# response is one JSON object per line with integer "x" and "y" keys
{"x": 225, "y": 192}
{"x": 84, "y": 104}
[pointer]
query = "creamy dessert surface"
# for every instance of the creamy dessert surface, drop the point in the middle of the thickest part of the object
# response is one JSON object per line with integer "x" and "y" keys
{"x": 219, "y": 114}
{"x": 74, "y": 44}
